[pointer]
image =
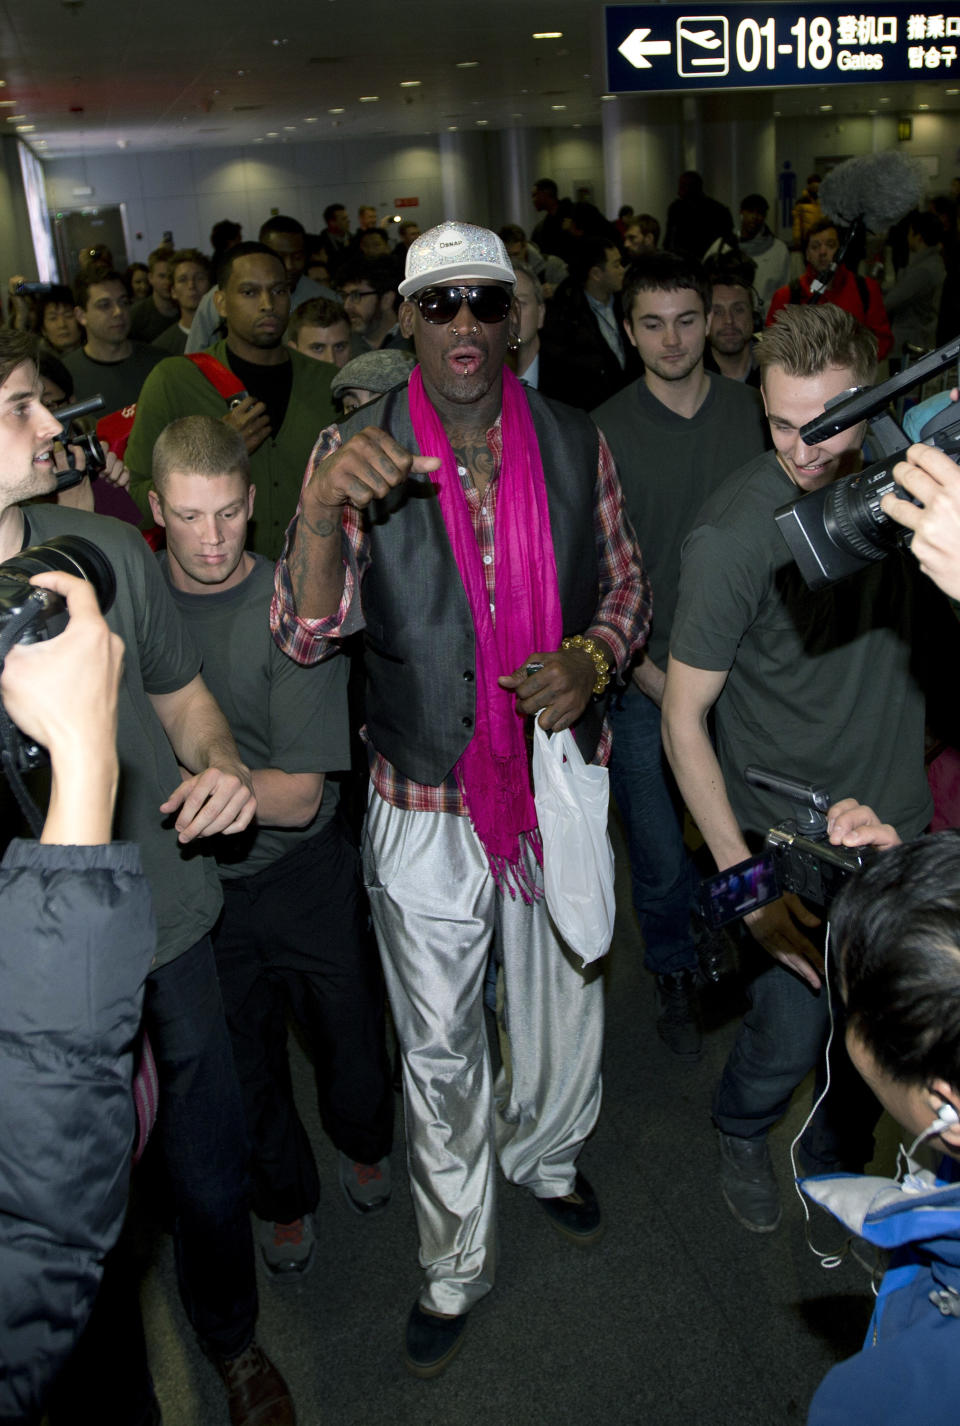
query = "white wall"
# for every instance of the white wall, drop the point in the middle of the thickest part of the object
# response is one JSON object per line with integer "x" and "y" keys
{"x": 188, "y": 190}
{"x": 804, "y": 141}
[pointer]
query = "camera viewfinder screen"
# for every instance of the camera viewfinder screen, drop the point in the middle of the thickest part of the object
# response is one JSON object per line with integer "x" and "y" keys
{"x": 739, "y": 889}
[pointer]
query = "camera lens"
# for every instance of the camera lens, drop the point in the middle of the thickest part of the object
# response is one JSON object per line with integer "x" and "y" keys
{"x": 72, "y": 555}
{"x": 853, "y": 518}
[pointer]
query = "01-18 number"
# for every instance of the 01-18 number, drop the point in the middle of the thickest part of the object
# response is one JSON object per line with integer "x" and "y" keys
{"x": 752, "y": 38}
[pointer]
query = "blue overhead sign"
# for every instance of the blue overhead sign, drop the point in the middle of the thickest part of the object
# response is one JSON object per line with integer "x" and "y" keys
{"x": 664, "y": 47}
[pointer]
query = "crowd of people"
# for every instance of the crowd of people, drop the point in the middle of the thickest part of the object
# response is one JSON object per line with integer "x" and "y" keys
{"x": 403, "y": 493}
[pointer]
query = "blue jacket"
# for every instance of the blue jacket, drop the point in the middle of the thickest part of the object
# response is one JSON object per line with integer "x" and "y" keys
{"x": 909, "y": 1368}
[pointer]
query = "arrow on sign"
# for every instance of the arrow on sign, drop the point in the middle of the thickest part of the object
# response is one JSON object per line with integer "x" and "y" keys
{"x": 636, "y": 47}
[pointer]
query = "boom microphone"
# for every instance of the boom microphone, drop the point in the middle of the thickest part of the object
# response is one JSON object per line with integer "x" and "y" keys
{"x": 880, "y": 188}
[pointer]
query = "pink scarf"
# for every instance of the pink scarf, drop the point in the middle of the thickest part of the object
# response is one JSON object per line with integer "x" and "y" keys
{"x": 493, "y": 773}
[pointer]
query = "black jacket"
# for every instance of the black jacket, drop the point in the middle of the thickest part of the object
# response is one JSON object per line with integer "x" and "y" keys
{"x": 77, "y": 941}
{"x": 577, "y": 364}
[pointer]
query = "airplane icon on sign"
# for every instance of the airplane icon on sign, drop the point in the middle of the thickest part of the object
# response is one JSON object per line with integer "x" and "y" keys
{"x": 703, "y": 46}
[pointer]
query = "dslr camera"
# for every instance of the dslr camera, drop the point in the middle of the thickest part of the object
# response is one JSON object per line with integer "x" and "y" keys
{"x": 29, "y": 614}
{"x": 840, "y": 529}
{"x": 796, "y": 857}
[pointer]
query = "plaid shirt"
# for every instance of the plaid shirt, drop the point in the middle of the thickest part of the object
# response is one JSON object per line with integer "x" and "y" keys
{"x": 621, "y": 620}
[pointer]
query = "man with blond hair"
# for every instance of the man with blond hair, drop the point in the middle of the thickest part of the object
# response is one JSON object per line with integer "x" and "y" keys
{"x": 816, "y": 685}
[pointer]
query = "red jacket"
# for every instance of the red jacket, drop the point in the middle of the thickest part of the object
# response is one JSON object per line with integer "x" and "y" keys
{"x": 844, "y": 292}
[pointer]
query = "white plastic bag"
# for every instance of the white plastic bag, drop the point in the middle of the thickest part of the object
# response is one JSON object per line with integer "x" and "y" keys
{"x": 572, "y": 798}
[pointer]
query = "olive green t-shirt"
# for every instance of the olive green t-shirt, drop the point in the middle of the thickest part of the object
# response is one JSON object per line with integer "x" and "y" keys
{"x": 820, "y": 685}
{"x": 160, "y": 657}
{"x": 283, "y": 714}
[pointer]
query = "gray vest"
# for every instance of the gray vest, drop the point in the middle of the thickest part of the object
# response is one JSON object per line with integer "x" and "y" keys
{"x": 419, "y": 638}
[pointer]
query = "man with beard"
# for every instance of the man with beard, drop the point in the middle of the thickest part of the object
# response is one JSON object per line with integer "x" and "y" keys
{"x": 794, "y": 678}
{"x": 730, "y": 351}
{"x": 282, "y": 398}
{"x": 507, "y": 584}
{"x": 675, "y": 434}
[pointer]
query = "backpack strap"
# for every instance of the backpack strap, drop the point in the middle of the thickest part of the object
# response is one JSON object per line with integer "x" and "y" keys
{"x": 218, "y": 375}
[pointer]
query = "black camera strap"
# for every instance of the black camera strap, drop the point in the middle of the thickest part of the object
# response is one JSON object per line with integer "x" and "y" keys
{"x": 10, "y": 735}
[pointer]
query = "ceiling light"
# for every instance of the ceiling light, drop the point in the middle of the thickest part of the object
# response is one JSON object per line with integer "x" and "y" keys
{"x": 279, "y": 42}
{"x": 871, "y": 111}
{"x": 25, "y": 128}
{"x": 547, "y": 35}
{"x": 468, "y": 64}
{"x": 824, "y": 108}
{"x": 272, "y": 134}
{"x": 516, "y": 116}
{"x": 410, "y": 83}
{"x": 121, "y": 143}
{"x": 13, "y": 118}
{"x": 369, "y": 98}
{"x": 923, "y": 106}
{"x": 946, "y": 91}
{"x": 290, "y": 128}
{"x": 884, "y": 101}
{"x": 11, "y": 103}
{"x": 451, "y": 128}
{"x": 483, "y": 121}
{"x": 607, "y": 97}
{"x": 778, "y": 113}
{"x": 312, "y": 120}
{"x": 3, "y": 84}
{"x": 336, "y": 111}
{"x": 558, "y": 106}
{"x": 258, "y": 141}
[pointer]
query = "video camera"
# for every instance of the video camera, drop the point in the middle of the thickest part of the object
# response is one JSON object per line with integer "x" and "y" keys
{"x": 839, "y": 529}
{"x": 95, "y": 462}
{"x": 29, "y": 614}
{"x": 796, "y": 857}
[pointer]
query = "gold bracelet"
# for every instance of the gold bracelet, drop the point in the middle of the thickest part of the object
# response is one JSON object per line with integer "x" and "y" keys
{"x": 601, "y": 660}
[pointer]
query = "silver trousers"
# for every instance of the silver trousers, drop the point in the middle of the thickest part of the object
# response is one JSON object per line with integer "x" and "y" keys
{"x": 437, "y": 911}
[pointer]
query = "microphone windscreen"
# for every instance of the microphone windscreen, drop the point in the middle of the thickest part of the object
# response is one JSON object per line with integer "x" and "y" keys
{"x": 880, "y": 188}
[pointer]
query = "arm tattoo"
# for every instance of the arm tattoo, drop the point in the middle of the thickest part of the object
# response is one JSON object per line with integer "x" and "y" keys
{"x": 323, "y": 528}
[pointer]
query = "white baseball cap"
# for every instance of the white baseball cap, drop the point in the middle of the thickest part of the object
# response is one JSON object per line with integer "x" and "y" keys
{"x": 455, "y": 252}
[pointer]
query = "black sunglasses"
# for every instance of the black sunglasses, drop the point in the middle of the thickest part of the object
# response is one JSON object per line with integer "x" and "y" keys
{"x": 441, "y": 304}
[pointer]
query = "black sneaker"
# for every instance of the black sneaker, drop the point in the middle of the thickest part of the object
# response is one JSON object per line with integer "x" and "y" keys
{"x": 577, "y": 1214}
{"x": 678, "y": 1013}
{"x": 432, "y": 1342}
{"x": 748, "y": 1182}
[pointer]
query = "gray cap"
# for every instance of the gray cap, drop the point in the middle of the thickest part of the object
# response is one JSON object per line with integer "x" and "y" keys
{"x": 374, "y": 371}
{"x": 455, "y": 251}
